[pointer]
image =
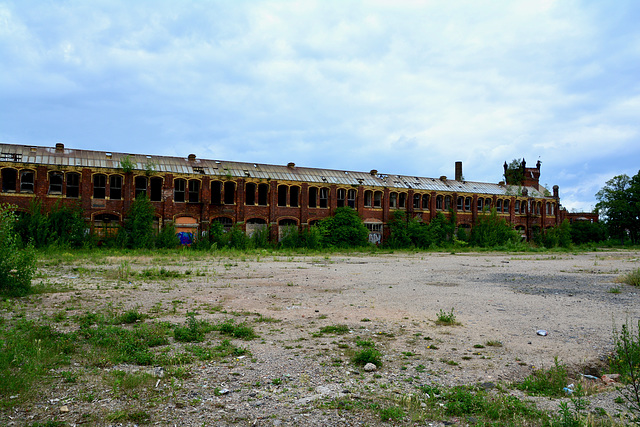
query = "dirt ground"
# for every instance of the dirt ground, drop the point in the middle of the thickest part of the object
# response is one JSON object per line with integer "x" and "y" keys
{"x": 392, "y": 298}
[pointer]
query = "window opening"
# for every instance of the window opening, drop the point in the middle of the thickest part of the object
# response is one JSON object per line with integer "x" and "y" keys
{"x": 250, "y": 194}
{"x": 377, "y": 199}
{"x": 368, "y": 198}
{"x": 9, "y": 179}
{"x": 282, "y": 195}
{"x": 115, "y": 187}
{"x": 402, "y": 200}
{"x": 141, "y": 186}
{"x": 194, "y": 191}
{"x": 229, "y": 193}
{"x": 393, "y": 200}
{"x": 73, "y": 185}
{"x": 313, "y": 197}
{"x": 294, "y": 196}
{"x": 263, "y": 194}
{"x": 342, "y": 195}
{"x": 179, "y": 187}
{"x": 324, "y": 197}
{"x": 26, "y": 181}
{"x": 216, "y": 193}
{"x": 425, "y": 201}
{"x": 99, "y": 186}
{"x": 156, "y": 189}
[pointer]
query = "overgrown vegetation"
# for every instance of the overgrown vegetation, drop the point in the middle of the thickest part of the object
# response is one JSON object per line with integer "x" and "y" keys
{"x": 17, "y": 266}
{"x": 626, "y": 362}
{"x": 631, "y": 278}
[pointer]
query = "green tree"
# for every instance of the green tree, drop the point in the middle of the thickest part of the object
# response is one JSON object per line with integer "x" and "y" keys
{"x": 67, "y": 226}
{"x": 586, "y": 232}
{"x": 138, "y": 225}
{"x": 16, "y": 265}
{"x": 344, "y": 229}
{"x": 514, "y": 172}
{"x": 619, "y": 206}
{"x": 491, "y": 230}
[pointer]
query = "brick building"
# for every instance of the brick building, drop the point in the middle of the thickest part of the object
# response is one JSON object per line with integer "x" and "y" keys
{"x": 191, "y": 192}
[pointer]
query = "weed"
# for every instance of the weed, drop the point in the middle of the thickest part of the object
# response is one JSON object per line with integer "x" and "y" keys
{"x": 626, "y": 362}
{"x": 493, "y": 343}
{"x": 192, "y": 332}
{"x": 130, "y": 316}
{"x": 631, "y": 278}
{"x": 614, "y": 290}
{"x": 333, "y": 329}
{"x": 241, "y": 330}
{"x": 136, "y": 416}
{"x": 478, "y": 346}
{"x": 367, "y": 355}
{"x": 447, "y": 319}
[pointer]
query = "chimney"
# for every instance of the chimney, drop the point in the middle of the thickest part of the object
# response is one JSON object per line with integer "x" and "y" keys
{"x": 291, "y": 165}
{"x": 192, "y": 157}
{"x": 374, "y": 172}
{"x": 458, "y": 171}
{"x": 59, "y": 147}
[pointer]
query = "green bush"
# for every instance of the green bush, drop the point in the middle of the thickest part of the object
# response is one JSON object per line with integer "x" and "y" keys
{"x": 626, "y": 361}
{"x": 587, "y": 232}
{"x": 631, "y": 278}
{"x": 344, "y": 229}
{"x": 138, "y": 224}
{"x": 546, "y": 382}
{"x": 167, "y": 238}
{"x": 492, "y": 231}
{"x": 17, "y": 266}
{"x": 367, "y": 355}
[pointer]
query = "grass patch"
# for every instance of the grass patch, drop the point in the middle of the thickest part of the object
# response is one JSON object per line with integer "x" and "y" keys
{"x": 549, "y": 382}
{"x": 631, "y": 278}
{"x": 332, "y": 329}
{"x": 367, "y": 355}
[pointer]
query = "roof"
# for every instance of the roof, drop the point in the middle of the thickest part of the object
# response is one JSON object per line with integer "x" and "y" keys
{"x": 61, "y": 157}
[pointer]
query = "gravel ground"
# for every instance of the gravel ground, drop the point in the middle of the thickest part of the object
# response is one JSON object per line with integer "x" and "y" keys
{"x": 293, "y": 373}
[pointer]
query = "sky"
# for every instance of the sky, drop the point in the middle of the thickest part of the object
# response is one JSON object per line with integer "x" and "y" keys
{"x": 404, "y": 87}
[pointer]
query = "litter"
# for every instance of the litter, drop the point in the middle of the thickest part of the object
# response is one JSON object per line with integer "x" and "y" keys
{"x": 542, "y": 332}
{"x": 591, "y": 377}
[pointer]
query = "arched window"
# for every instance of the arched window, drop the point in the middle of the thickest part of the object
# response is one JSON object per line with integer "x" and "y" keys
{"x": 393, "y": 200}
{"x": 313, "y": 197}
{"x": 294, "y": 196}
{"x": 499, "y": 205}
{"x": 402, "y": 200}
{"x": 216, "y": 193}
{"x": 115, "y": 187}
{"x": 368, "y": 198}
{"x": 282, "y": 195}
{"x": 263, "y": 194}
{"x": 516, "y": 207}
{"x": 156, "y": 189}
{"x": 194, "y": 191}
{"x": 324, "y": 197}
{"x": 487, "y": 204}
{"x": 73, "y": 185}
{"x": 10, "y": 180}
{"x": 100, "y": 186}
{"x": 179, "y": 190}
{"x": 416, "y": 201}
{"x": 447, "y": 203}
{"x": 505, "y": 206}
{"x": 342, "y": 197}
{"x": 227, "y": 223}
{"x": 351, "y": 198}
{"x": 229, "y": 193}
{"x": 480, "y": 204}
{"x": 55, "y": 182}
{"x": 250, "y": 194}
{"x": 439, "y": 202}
{"x": 141, "y": 185}
{"x": 377, "y": 199}
{"x": 467, "y": 204}
{"x": 425, "y": 202}
{"x": 460, "y": 203}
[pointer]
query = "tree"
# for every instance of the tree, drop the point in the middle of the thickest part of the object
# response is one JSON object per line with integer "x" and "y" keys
{"x": 344, "y": 229}
{"x": 16, "y": 265}
{"x": 138, "y": 224}
{"x": 619, "y": 206}
{"x": 514, "y": 172}
{"x": 491, "y": 230}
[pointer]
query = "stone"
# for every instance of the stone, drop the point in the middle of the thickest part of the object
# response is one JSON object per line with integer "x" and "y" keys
{"x": 610, "y": 378}
{"x": 370, "y": 367}
{"x": 64, "y": 409}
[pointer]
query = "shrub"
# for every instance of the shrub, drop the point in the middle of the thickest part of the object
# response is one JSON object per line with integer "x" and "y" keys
{"x": 445, "y": 318}
{"x": 16, "y": 265}
{"x": 546, "y": 383}
{"x": 167, "y": 238}
{"x": 491, "y": 230}
{"x": 626, "y": 361}
{"x": 138, "y": 225}
{"x": 344, "y": 229}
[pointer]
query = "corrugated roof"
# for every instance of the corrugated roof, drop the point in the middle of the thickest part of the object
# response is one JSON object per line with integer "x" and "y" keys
{"x": 177, "y": 165}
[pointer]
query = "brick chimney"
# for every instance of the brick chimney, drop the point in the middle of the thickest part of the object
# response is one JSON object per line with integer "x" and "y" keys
{"x": 192, "y": 157}
{"x": 458, "y": 171}
{"x": 59, "y": 147}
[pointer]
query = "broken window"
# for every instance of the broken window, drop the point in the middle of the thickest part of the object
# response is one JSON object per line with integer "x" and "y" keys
{"x": 99, "y": 186}
{"x": 460, "y": 203}
{"x": 425, "y": 201}
{"x": 447, "y": 203}
{"x": 229, "y": 193}
{"x": 402, "y": 200}
{"x": 342, "y": 196}
{"x": 73, "y": 185}
{"x": 324, "y": 197}
{"x": 9, "y": 179}
{"x": 216, "y": 193}
{"x": 156, "y": 189}
{"x": 115, "y": 187}
{"x": 377, "y": 199}
{"x": 282, "y": 195}
{"x": 487, "y": 204}
{"x": 313, "y": 197}
{"x": 179, "y": 189}
{"x": 263, "y": 194}
{"x": 105, "y": 225}
{"x": 294, "y": 196}
{"x": 250, "y": 194}
{"x": 351, "y": 198}
{"x": 194, "y": 191}
{"x": 480, "y": 204}
{"x": 499, "y": 205}
{"x": 439, "y": 202}
{"x": 368, "y": 198}
{"x": 26, "y": 181}
{"x": 505, "y": 206}
{"x": 393, "y": 200}
{"x": 416, "y": 201}
{"x": 467, "y": 204}
{"x": 141, "y": 186}
{"x": 227, "y": 223}
{"x": 516, "y": 207}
